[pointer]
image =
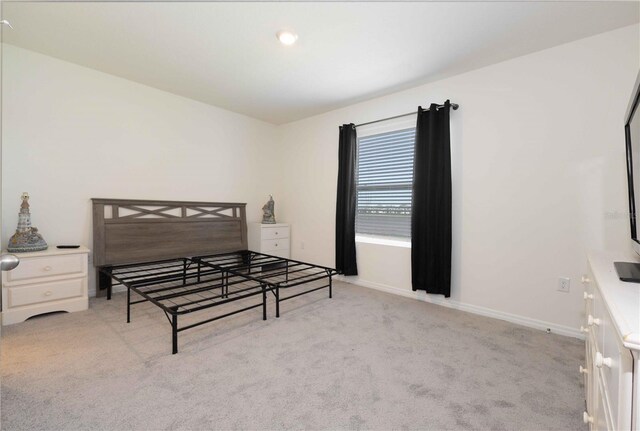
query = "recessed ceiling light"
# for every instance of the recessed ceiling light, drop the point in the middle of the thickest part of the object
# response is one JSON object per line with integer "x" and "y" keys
{"x": 287, "y": 37}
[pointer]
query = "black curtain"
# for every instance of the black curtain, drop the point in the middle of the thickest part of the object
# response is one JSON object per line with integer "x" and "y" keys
{"x": 346, "y": 202}
{"x": 431, "y": 209}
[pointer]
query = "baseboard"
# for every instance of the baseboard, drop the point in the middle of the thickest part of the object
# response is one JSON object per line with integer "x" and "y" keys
{"x": 475, "y": 309}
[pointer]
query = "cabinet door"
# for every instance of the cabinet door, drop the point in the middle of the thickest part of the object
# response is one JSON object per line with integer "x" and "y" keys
{"x": 598, "y": 328}
{"x": 588, "y": 376}
{"x": 617, "y": 377}
{"x": 602, "y": 419}
{"x": 588, "y": 283}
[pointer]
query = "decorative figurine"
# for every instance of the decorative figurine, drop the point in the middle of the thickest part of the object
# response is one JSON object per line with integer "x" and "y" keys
{"x": 268, "y": 212}
{"x": 26, "y": 237}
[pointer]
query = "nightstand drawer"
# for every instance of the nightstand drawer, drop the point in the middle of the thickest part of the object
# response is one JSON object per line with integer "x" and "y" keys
{"x": 280, "y": 253}
{"x": 275, "y": 244}
{"x": 35, "y": 294}
{"x": 48, "y": 266}
{"x": 275, "y": 232}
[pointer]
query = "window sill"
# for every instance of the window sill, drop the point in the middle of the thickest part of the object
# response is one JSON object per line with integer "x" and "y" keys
{"x": 390, "y": 241}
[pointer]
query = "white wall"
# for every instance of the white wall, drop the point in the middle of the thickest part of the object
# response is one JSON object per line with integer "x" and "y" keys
{"x": 538, "y": 160}
{"x": 72, "y": 133}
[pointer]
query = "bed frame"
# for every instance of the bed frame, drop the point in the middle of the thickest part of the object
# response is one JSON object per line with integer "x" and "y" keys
{"x": 276, "y": 273}
{"x": 187, "y": 257}
{"x": 129, "y": 231}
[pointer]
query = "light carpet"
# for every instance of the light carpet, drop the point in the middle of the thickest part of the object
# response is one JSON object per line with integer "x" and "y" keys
{"x": 362, "y": 360}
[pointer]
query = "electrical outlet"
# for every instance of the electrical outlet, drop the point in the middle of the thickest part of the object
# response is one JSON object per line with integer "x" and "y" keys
{"x": 563, "y": 284}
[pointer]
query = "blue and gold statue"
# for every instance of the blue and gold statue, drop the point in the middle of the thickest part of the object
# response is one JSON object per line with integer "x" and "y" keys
{"x": 26, "y": 237}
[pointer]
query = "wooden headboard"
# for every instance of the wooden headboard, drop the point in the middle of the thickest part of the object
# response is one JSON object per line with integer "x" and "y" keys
{"x": 133, "y": 231}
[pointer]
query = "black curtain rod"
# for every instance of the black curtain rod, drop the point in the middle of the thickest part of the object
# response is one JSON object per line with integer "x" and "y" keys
{"x": 454, "y": 106}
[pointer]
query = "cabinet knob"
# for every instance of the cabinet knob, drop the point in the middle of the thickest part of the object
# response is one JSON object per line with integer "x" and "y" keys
{"x": 48, "y": 293}
{"x": 601, "y": 361}
{"x": 585, "y": 279}
{"x": 584, "y": 330}
{"x": 586, "y": 418}
{"x": 586, "y": 295}
{"x": 46, "y": 268}
{"x": 276, "y": 244}
{"x": 583, "y": 370}
{"x": 593, "y": 320}
{"x": 276, "y": 232}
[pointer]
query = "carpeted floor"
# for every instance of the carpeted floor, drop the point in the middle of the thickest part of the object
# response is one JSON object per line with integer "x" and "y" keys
{"x": 362, "y": 360}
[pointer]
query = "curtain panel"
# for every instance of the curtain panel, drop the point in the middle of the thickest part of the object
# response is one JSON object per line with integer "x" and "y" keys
{"x": 346, "y": 202}
{"x": 431, "y": 202}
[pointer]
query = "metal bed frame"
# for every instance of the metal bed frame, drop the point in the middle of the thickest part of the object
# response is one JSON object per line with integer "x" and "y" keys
{"x": 182, "y": 286}
{"x": 273, "y": 271}
{"x": 124, "y": 246}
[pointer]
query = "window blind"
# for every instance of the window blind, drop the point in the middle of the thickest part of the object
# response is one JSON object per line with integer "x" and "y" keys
{"x": 384, "y": 181}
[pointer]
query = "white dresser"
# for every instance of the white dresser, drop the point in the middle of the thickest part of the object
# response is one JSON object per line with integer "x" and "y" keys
{"x": 45, "y": 281}
{"x": 271, "y": 239}
{"x": 612, "y": 330}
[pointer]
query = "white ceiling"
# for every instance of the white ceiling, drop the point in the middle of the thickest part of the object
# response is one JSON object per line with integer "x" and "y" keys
{"x": 226, "y": 54}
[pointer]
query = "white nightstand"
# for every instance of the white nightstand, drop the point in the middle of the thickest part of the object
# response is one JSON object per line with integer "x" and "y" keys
{"x": 271, "y": 239}
{"x": 45, "y": 281}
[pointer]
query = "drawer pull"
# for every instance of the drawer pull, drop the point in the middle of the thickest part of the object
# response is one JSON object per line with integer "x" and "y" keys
{"x": 601, "y": 361}
{"x": 47, "y": 268}
{"x": 583, "y": 370}
{"x": 48, "y": 293}
{"x": 585, "y": 279}
{"x": 584, "y": 330}
{"x": 593, "y": 320}
{"x": 586, "y": 418}
{"x": 276, "y": 232}
{"x": 276, "y": 244}
{"x": 587, "y": 295}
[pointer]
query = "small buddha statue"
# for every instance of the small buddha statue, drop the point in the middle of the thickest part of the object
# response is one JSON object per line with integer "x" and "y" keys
{"x": 26, "y": 237}
{"x": 268, "y": 212}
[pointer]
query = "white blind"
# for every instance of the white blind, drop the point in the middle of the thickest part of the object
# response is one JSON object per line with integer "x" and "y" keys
{"x": 384, "y": 180}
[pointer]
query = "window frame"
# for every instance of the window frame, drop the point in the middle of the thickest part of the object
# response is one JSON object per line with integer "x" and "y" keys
{"x": 398, "y": 125}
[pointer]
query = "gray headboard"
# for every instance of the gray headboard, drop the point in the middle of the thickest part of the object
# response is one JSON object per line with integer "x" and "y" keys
{"x": 132, "y": 231}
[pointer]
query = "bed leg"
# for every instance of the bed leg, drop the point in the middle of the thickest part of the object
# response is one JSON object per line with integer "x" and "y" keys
{"x": 287, "y": 271}
{"x": 128, "y": 305}
{"x": 98, "y": 283}
{"x": 103, "y": 283}
{"x": 264, "y": 302}
{"x": 184, "y": 272}
{"x": 277, "y": 300}
{"x": 330, "y": 287}
{"x": 174, "y": 333}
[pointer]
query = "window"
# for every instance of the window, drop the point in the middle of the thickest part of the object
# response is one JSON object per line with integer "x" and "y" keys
{"x": 384, "y": 180}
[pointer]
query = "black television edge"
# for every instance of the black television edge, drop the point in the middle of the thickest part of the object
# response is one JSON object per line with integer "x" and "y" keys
{"x": 630, "y": 271}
